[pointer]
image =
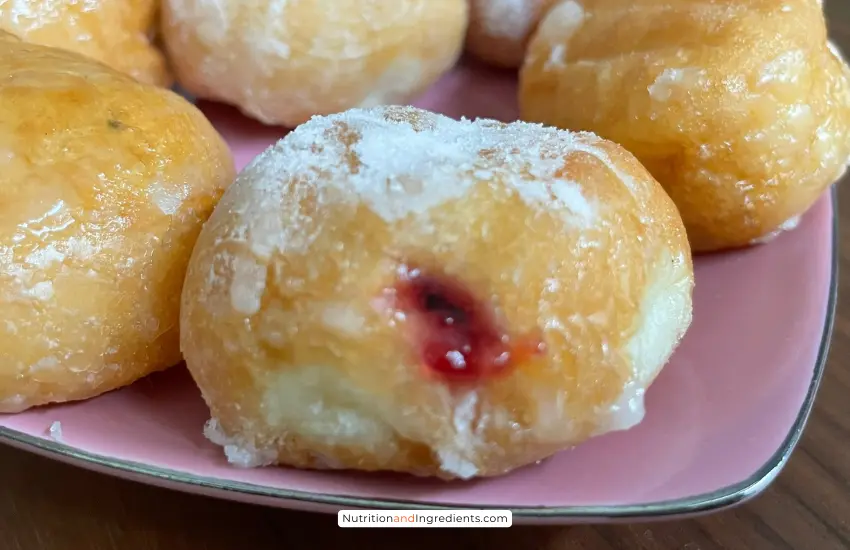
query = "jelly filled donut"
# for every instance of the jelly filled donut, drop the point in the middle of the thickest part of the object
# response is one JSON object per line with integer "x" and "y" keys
{"x": 104, "y": 185}
{"x": 740, "y": 109}
{"x": 499, "y": 30}
{"x": 283, "y": 62}
{"x": 117, "y": 33}
{"x": 391, "y": 289}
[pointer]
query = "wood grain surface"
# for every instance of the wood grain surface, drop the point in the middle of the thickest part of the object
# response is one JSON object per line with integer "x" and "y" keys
{"x": 45, "y": 505}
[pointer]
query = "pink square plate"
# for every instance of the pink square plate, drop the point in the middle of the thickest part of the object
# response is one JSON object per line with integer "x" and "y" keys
{"x": 722, "y": 418}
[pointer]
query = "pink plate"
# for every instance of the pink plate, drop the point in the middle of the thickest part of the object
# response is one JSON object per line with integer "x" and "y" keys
{"x": 722, "y": 418}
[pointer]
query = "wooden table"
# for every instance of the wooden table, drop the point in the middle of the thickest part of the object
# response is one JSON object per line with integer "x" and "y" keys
{"x": 45, "y": 505}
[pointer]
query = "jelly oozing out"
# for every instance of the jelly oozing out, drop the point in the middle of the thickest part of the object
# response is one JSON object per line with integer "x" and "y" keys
{"x": 457, "y": 335}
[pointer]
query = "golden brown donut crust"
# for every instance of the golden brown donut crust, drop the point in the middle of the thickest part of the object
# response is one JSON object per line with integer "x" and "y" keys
{"x": 302, "y": 362}
{"x": 740, "y": 108}
{"x": 283, "y": 62}
{"x": 499, "y": 30}
{"x": 116, "y": 32}
{"x": 104, "y": 184}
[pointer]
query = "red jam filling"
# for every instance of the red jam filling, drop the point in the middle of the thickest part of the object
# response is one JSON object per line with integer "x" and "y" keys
{"x": 457, "y": 335}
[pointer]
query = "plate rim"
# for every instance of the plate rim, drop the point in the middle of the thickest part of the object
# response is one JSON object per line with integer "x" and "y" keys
{"x": 713, "y": 501}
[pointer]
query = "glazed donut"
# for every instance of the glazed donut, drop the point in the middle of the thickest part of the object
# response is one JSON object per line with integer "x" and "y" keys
{"x": 104, "y": 186}
{"x": 392, "y": 289}
{"x": 117, "y": 33}
{"x": 283, "y": 62}
{"x": 740, "y": 109}
{"x": 499, "y": 30}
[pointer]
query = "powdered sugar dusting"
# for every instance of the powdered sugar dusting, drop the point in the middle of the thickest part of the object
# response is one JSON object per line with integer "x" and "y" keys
{"x": 258, "y": 57}
{"x": 332, "y": 182}
{"x": 402, "y": 161}
{"x": 565, "y": 195}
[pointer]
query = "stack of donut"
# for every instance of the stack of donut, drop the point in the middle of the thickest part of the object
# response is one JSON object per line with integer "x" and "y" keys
{"x": 387, "y": 288}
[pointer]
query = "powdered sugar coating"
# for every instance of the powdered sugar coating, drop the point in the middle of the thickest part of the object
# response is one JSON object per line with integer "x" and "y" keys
{"x": 292, "y": 328}
{"x": 281, "y": 61}
{"x": 390, "y": 151}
